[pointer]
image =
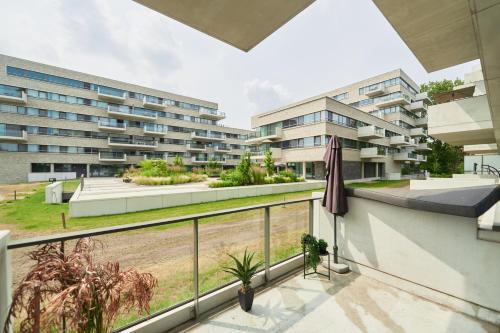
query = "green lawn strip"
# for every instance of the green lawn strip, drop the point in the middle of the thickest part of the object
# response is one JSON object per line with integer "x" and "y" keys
{"x": 381, "y": 183}
{"x": 33, "y": 215}
{"x": 70, "y": 185}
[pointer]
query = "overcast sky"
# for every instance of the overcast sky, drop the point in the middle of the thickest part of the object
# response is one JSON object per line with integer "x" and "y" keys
{"x": 330, "y": 44}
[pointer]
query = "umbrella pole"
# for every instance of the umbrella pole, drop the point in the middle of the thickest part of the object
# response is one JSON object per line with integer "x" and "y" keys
{"x": 335, "y": 247}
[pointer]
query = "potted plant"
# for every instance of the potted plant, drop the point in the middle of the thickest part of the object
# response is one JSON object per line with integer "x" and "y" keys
{"x": 311, "y": 246}
{"x": 89, "y": 295}
{"x": 322, "y": 247}
{"x": 244, "y": 271}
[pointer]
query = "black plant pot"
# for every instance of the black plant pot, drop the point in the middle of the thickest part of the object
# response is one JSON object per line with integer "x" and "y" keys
{"x": 323, "y": 253}
{"x": 246, "y": 299}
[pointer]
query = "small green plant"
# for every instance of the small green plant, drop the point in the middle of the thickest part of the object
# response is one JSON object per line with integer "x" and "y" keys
{"x": 212, "y": 163}
{"x": 311, "y": 245}
{"x": 269, "y": 162}
{"x": 178, "y": 160}
{"x": 243, "y": 270}
{"x": 322, "y": 245}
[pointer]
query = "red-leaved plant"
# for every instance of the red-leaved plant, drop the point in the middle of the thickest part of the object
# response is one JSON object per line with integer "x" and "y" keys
{"x": 89, "y": 295}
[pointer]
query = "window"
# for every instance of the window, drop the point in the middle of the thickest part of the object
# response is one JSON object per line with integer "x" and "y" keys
{"x": 40, "y": 167}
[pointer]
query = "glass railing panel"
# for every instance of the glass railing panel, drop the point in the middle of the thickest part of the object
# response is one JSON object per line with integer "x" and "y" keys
{"x": 111, "y": 91}
{"x": 227, "y": 234}
{"x": 11, "y": 91}
{"x": 288, "y": 223}
{"x": 11, "y": 132}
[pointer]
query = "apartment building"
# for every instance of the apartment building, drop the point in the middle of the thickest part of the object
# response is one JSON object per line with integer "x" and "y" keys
{"x": 60, "y": 123}
{"x": 382, "y": 122}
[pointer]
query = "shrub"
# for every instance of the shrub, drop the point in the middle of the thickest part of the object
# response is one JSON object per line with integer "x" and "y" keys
{"x": 269, "y": 180}
{"x": 153, "y": 168}
{"x": 258, "y": 175}
{"x": 213, "y": 172}
{"x": 170, "y": 180}
{"x": 243, "y": 170}
{"x": 289, "y": 174}
{"x": 178, "y": 161}
{"x": 213, "y": 164}
{"x": 176, "y": 169}
{"x": 198, "y": 171}
{"x": 221, "y": 183}
{"x": 269, "y": 162}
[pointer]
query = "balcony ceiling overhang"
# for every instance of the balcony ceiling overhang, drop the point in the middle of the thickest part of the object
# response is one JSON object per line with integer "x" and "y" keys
{"x": 446, "y": 33}
{"x": 240, "y": 23}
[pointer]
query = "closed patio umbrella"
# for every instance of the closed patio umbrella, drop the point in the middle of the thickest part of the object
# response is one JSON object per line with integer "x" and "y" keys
{"x": 334, "y": 199}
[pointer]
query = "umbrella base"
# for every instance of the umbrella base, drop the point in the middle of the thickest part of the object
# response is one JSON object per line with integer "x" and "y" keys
{"x": 337, "y": 268}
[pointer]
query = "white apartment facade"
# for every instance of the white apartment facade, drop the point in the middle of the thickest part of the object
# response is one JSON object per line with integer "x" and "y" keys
{"x": 60, "y": 123}
{"x": 382, "y": 122}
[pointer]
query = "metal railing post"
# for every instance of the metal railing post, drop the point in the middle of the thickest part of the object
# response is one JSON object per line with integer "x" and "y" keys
{"x": 82, "y": 182}
{"x": 267, "y": 242}
{"x": 195, "y": 268}
{"x": 5, "y": 279}
{"x": 311, "y": 217}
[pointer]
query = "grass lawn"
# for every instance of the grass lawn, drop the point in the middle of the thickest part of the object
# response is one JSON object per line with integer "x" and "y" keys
{"x": 31, "y": 216}
{"x": 381, "y": 183}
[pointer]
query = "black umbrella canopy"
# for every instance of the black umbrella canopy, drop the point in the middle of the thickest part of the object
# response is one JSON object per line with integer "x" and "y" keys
{"x": 334, "y": 198}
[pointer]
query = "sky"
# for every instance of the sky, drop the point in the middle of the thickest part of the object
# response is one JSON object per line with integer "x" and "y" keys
{"x": 330, "y": 44}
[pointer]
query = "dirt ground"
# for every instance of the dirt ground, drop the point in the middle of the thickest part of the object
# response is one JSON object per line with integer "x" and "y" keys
{"x": 7, "y": 190}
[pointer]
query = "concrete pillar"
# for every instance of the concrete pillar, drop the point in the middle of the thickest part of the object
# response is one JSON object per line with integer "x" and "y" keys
{"x": 304, "y": 170}
{"x": 376, "y": 169}
{"x": 51, "y": 167}
{"x": 88, "y": 170}
{"x": 362, "y": 169}
{"x": 5, "y": 278}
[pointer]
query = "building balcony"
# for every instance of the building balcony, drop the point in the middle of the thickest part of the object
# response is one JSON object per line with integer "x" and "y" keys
{"x": 375, "y": 91}
{"x": 222, "y": 149}
{"x": 154, "y": 130}
{"x": 371, "y": 132}
{"x": 462, "y": 122}
{"x": 418, "y": 132}
{"x": 212, "y": 114}
{"x": 15, "y": 96}
{"x": 196, "y": 147}
{"x": 258, "y": 138}
{"x": 132, "y": 143}
{"x": 133, "y": 114}
{"x": 491, "y": 148}
{"x": 400, "y": 100}
{"x": 402, "y": 141}
{"x": 424, "y": 97}
{"x": 421, "y": 158}
{"x": 424, "y": 146}
{"x": 211, "y": 137}
{"x": 422, "y": 121}
{"x": 405, "y": 157}
{"x": 259, "y": 154}
{"x": 107, "y": 126}
{"x": 373, "y": 152}
{"x": 152, "y": 102}
{"x": 13, "y": 135}
{"x": 112, "y": 156}
{"x": 418, "y": 106}
{"x": 111, "y": 94}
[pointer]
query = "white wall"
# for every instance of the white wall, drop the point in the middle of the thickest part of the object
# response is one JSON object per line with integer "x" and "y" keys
{"x": 436, "y": 251}
{"x": 493, "y": 160}
{"x": 44, "y": 176}
{"x": 53, "y": 193}
{"x": 444, "y": 183}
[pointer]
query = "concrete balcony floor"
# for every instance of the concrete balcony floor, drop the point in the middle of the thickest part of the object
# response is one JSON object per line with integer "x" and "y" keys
{"x": 347, "y": 303}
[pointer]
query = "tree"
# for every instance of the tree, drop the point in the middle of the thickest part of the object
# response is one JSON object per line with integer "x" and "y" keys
{"x": 269, "y": 162}
{"x": 243, "y": 169}
{"x": 435, "y": 87}
{"x": 212, "y": 163}
{"x": 178, "y": 161}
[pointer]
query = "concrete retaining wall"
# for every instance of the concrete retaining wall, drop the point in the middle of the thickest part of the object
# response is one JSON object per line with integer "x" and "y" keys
{"x": 45, "y": 176}
{"x": 53, "y": 193}
{"x": 119, "y": 205}
{"x": 444, "y": 183}
{"x": 433, "y": 255}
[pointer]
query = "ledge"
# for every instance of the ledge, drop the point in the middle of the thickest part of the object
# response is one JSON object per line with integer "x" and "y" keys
{"x": 465, "y": 202}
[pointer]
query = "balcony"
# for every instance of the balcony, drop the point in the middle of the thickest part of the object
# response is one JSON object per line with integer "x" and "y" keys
{"x": 152, "y": 102}
{"x": 112, "y": 156}
{"x": 371, "y": 132}
{"x": 202, "y": 159}
{"x": 373, "y": 152}
{"x": 258, "y": 138}
{"x": 211, "y": 137}
{"x": 424, "y": 97}
{"x": 12, "y": 95}
{"x": 132, "y": 143}
{"x": 222, "y": 149}
{"x": 154, "y": 130}
{"x": 108, "y": 126}
{"x": 402, "y": 99}
{"x": 423, "y": 147}
{"x": 421, "y": 158}
{"x": 111, "y": 94}
{"x": 422, "y": 121}
{"x": 212, "y": 114}
{"x": 124, "y": 111}
{"x": 10, "y": 135}
{"x": 196, "y": 147}
{"x": 402, "y": 140}
{"x": 418, "y": 132}
{"x": 375, "y": 90}
{"x": 418, "y": 106}
{"x": 405, "y": 157}
{"x": 260, "y": 153}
